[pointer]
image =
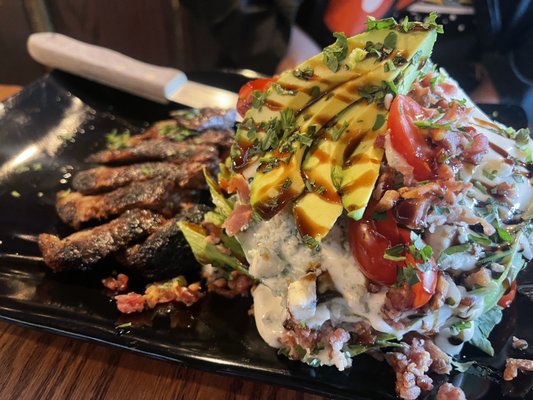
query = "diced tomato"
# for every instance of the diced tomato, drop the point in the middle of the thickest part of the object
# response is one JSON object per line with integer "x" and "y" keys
{"x": 369, "y": 239}
{"x": 247, "y": 91}
{"x": 408, "y": 139}
{"x": 507, "y": 299}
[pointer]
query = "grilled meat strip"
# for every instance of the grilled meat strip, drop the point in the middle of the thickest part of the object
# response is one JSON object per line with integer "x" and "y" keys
{"x": 159, "y": 194}
{"x": 100, "y": 179}
{"x": 83, "y": 249}
{"x": 165, "y": 253}
{"x": 158, "y": 149}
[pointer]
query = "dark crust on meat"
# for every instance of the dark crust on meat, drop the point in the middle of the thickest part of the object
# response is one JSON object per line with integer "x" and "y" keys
{"x": 157, "y": 149}
{"x": 83, "y": 249}
{"x": 158, "y": 194}
{"x": 100, "y": 179}
{"x": 165, "y": 253}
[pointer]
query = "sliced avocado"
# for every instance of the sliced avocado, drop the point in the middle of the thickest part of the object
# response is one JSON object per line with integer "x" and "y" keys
{"x": 267, "y": 193}
{"x": 361, "y": 168}
{"x": 318, "y": 209}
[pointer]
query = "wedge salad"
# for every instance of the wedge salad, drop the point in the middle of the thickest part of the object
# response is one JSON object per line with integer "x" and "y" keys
{"x": 374, "y": 207}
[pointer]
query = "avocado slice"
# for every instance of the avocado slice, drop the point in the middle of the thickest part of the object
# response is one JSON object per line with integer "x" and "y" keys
{"x": 278, "y": 180}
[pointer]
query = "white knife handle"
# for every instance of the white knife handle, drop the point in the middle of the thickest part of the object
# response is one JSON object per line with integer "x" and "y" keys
{"x": 105, "y": 66}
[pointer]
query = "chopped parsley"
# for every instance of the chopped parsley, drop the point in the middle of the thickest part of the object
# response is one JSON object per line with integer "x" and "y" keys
{"x": 282, "y": 91}
{"x": 335, "y": 53}
{"x": 395, "y": 253}
{"x": 314, "y": 91}
{"x": 305, "y": 73}
{"x": 406, "y": 276}
{"x": 380, "y": 120}
{"x": 336, "y": 132}
{"x": 117, "y": 141}
{"x": 311, "y": 242}
{"x": 258, "y": 99}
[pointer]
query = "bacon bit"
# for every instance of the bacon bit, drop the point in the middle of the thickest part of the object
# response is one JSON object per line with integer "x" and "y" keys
{"x": 130, "y": 303}
{"x": 118, "y": 284}
{"x": 364, "y": 333}
{"x": 519, "y": 344}
{"x": 397, "y": 300}
{"x": 449, "y": 392}
{"x": 481, "y": 277}
{"x": 420, "y": 191}
{"x": 512, "y": 365}
{"x": 474, "y": 153}
{"x": 468, "y": 216}
{"x": 390, "y": 197}
{"x": 238, "y": 285}
{"x": 440, "y": 361}
{"x": 410, "y": 367}
{"x": 238, "y": 219}
{"x": 238, "y": 184}
{"x": 505, "y": 190}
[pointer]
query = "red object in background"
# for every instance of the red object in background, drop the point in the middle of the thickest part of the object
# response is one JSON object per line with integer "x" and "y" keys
{"x": 349, "y": 16}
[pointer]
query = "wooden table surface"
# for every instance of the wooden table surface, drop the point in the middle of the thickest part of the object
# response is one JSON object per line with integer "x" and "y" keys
{"x": 38, "y": 365}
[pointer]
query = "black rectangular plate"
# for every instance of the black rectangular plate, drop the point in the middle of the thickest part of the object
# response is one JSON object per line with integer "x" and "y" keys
{"x": 49, "y": 128}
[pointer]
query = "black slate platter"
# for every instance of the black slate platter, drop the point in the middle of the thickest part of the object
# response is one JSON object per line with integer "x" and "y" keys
{"x": 46, "y": 132}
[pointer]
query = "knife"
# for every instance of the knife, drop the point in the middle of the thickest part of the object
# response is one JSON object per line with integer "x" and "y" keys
{"x": 117, "y": 70}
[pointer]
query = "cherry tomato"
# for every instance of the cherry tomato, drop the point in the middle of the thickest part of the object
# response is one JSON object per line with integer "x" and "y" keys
{"x": 247, "y": 90}
{"x": 368, "y": 247}
{"x": 508, "y": 297}
{"x": 408, "y": 139}
{"x": 369, "y": 239}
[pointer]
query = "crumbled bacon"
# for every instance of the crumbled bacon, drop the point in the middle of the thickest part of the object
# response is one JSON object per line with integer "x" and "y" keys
{"x": 512, "y": 365}
{"x": 238, "y": 184}
{"x": 397, "y": 300}
{"x": 364, "y": 333}
{"x": 410, "y": 366}
{"x": 449, "y": 392}
{"x": 482, "y": 277}
{"x": 118, "y": 284}
{"x": 519, "y": 344}
{"x": 238, "y": 285}
{"x": 157, "y": 293}
{"x": 238, "y": 219}
{"x": 130, "y": 303}
{"x": 506, "y": 190}
{"x": 440, "y": 361}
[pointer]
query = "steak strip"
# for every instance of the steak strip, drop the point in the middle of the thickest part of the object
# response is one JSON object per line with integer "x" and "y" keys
{"x": 165, "y": 253}
{"x": 85, "y": 248}
{"x": 161, "y": 195}
{"x": 101, "y": 179}
{"x": 158, "y": 149}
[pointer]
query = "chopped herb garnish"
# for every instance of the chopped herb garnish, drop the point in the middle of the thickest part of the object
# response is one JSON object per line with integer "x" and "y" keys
{"x": 320, "y": 189}
{"x": 389, "y": 66}
{"x": 499, "y": 255}
{"x": 316, "y": 349}
{"x": 490, "y": 175}
{"x": 309, "y": 185}
{"x": 480, "y": 239}
{"x": 311, "y": 242}
{"x": 504, "y": 235}
{"x": 284, "y": 351}
{"x": 380, "y": 120}
{"x": 379, "y": 216}
{"x": 406, "y": 276}
{"x": 394, "y": 253}
{"x": 117, "y": 141}
{"x": 336, "y": 132}
{"x": 287, "y": 183}
{"x": 478, "y": 185}
{"x": 441, "y": 210}
{"x": 377, "y": 24}
{"x": 124, "y": 326}
{"x": 336, "y": 176}
{"x": 303, "y": 73}
{"x": 335, "y": 53}
{"x": 282, "y": 91}
{"x": 390, "y": 40}
{"x": 315, "y": 362}
{"x": 432, "y": 125}
{"x": 314, "y": 91}
{"x": 300, "y": 351}
{"x": 303, "y": 139}
{"x": 258, "y": 99}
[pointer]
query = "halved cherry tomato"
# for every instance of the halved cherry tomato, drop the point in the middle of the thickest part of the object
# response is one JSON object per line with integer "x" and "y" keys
{"x": 408, "y": 139}
{"x": 508, "y": 297}
{"x": 369, "y": 239}
{"x": 247, "y": 90}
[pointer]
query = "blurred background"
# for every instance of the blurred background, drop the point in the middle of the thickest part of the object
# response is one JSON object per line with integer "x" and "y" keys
{"x": 487, "y": 44}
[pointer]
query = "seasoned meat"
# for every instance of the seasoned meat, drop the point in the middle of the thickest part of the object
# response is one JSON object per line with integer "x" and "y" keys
{"x": 162, "y": 195}
{"x": 165, "y": 253}
{"x": 100, "y": 179}
{"x": 158, "y": 149}
{"x": 206, "y": 118}
{"x": 83, "y": 249}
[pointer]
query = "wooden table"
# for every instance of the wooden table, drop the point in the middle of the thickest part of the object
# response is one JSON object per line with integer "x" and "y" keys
{"x": 39, "y": 365}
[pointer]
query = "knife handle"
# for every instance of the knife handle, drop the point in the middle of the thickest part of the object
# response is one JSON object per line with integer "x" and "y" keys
{"x": 105, "y": 66}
